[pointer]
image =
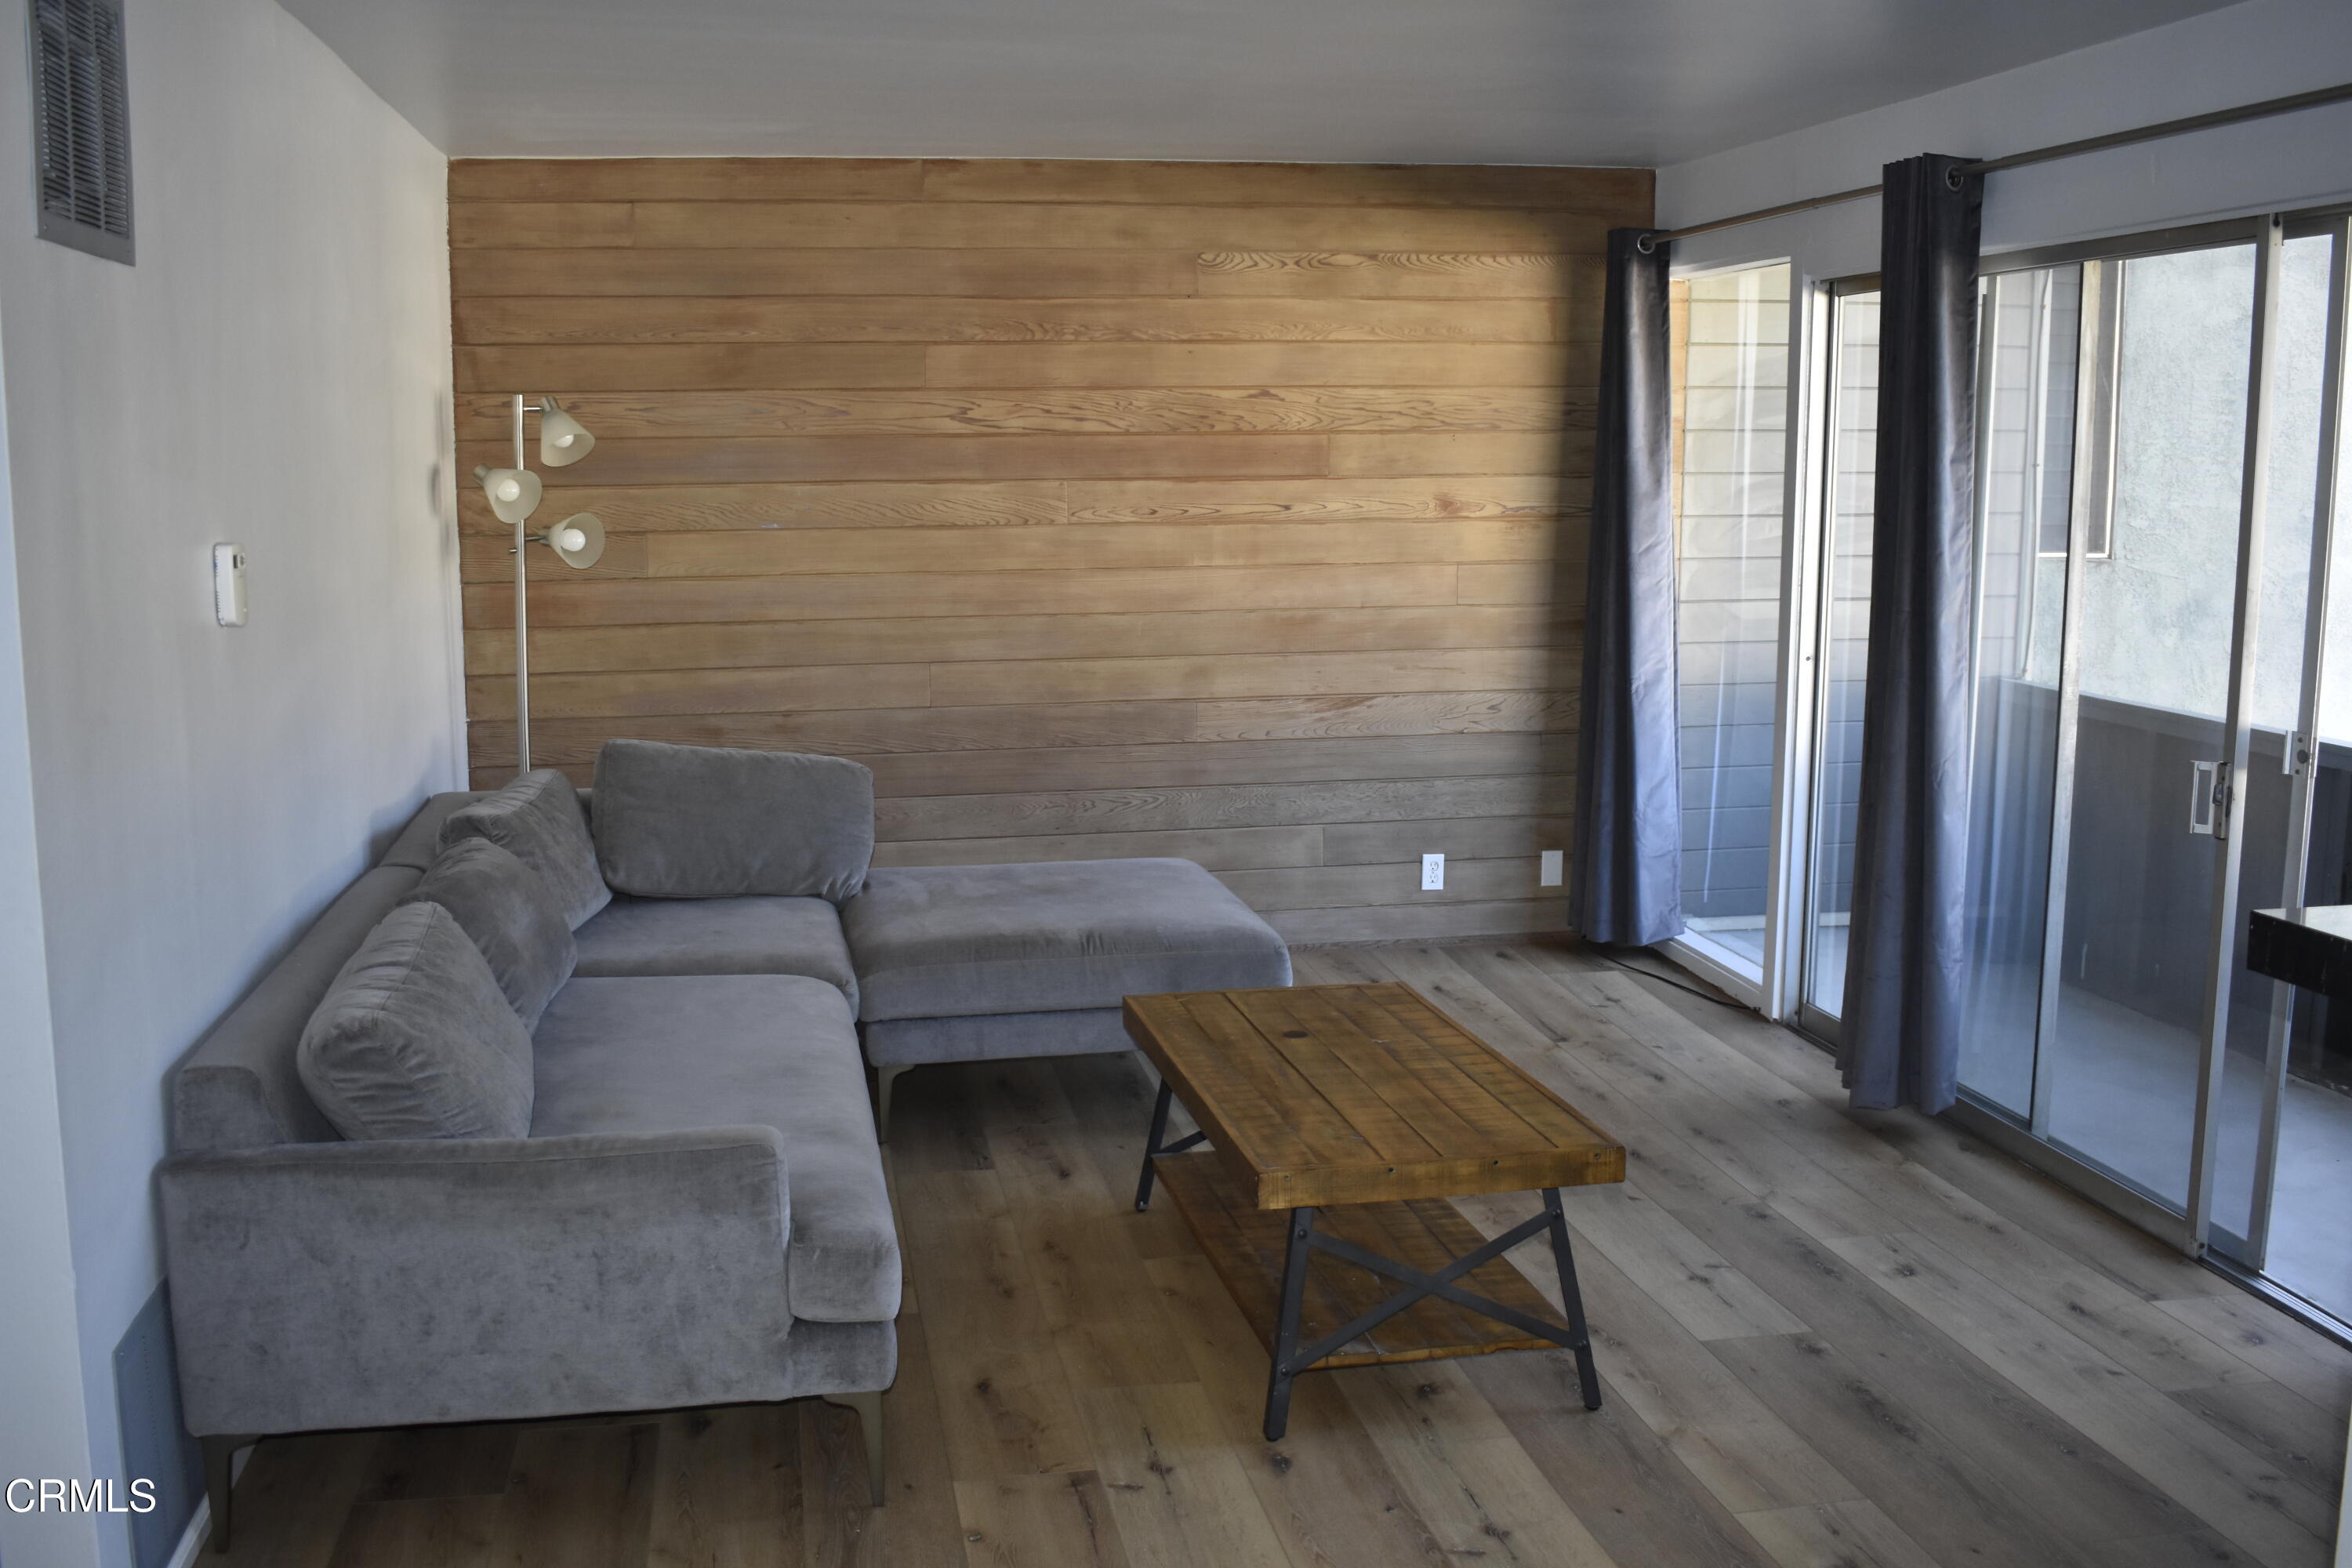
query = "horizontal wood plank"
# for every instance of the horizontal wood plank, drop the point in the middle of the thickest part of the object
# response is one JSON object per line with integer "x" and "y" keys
{"x": 1613, "y": 193}
{"x": 1109, "y": 547}
{"x": 677, "y": 461}
{"x": 989, "y": 225}
{"x": 1049, "y": 411}
{"x": 1572, "y": 363}
{"x": 1015, "y": 274}
{"x": 1223, "y": 806}
{"x": 974, "y": 681}
{"x": 559, "y": 650}
{"x": 564, "y": 369}
{"x": 513, "y": 180}
{"x": 1397, "y": 275}
{"x": 575, "y": 602}
{"x": 710, "y": 508}
{"x": 1083, "y": 725}
{"x": 1215, "y": 848}
{"x": 600, "y": 319}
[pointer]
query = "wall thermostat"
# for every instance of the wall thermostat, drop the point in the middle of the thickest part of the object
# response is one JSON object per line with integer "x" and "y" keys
{"x": 228, "y": 585}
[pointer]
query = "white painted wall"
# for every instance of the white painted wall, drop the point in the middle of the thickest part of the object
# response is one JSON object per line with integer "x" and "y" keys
{"x": 43, "y": 1433}
{"x": 2264, "y": 48}
{"x": 274, "y": 371}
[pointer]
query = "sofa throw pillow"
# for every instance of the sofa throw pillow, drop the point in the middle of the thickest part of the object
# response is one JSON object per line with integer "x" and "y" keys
{"x": 708, "y": 822}
{"x": 537, "y": 820}
{"x": 416, "y": 1040}
{"x": 504, "y": 908}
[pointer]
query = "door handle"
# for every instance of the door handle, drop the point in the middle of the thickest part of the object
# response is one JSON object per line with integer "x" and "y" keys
{"x": 2209, "y": 798}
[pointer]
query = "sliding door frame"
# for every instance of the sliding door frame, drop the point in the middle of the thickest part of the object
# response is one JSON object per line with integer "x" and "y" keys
{"x": 2193, "y": 1231}
{"x": 1769, "y": 995}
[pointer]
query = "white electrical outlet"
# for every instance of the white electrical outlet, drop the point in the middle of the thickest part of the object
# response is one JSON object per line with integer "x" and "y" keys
{"x": 1554, "y": 872}
{"x": 228, "y": 585}
{"x": 1432, "y": 873}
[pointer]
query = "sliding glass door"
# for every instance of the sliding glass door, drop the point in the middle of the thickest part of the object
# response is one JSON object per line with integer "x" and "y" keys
{"x": 1731, "y": 381}
{"x": 2156, "y": 435}
{"x": 1838, "y": 651}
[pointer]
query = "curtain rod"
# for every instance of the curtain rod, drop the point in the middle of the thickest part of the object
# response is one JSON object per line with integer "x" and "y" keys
{"x": 2263, "y": 110}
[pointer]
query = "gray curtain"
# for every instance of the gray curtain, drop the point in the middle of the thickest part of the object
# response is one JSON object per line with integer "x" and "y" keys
{"x": 1900, "y": 1032}
{"x": 1627, "y": 881}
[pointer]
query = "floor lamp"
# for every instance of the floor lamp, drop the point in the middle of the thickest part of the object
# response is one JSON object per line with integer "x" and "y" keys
{"x": 577, "y": 540}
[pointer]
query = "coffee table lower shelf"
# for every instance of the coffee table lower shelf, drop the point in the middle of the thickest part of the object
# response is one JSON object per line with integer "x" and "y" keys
{"x": 1249, "y": 1245}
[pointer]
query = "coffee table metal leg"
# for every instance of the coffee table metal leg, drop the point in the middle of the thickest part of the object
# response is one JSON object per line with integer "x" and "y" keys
{"x": 1285, "y": 1334}
{"x": 1572, "y": 1300}
{"x": 1151, "y": 1146}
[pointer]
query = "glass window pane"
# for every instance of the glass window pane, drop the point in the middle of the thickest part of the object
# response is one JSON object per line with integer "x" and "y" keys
{"x": 1844, "y": 645}
{"x": 2029, "y": 344}
{"x": 2154, "y": 660}
{"x": 1731, "y": 391}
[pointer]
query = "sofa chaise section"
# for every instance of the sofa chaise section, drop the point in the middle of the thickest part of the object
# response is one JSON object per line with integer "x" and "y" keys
{"x": 978, "y": 963}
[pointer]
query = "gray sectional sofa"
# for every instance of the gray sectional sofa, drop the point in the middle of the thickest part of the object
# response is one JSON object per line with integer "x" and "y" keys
{"x": 544, "y": 1118}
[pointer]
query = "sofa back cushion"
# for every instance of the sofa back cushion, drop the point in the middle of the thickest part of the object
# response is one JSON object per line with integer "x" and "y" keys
{"x": 708, "y": 822}
{"x": 537, "y": 820}
{"x": 416, "y": 1040}
{"x": 504, "y": 908}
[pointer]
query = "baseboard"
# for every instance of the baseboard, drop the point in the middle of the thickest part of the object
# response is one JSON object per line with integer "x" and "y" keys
{"x": 192, "y": 1539}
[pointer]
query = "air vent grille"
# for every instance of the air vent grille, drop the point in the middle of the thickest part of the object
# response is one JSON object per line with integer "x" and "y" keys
{"x": 82, "y": 125}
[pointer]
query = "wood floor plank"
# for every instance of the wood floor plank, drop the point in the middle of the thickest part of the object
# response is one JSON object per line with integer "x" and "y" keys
{"x": 2035, "y": 1456}
{"x": 290, "y": 1499}
{"x": 1478, "y": 1488}
{"x": 2285, "y": 1428}
{"x": 582, "y": 1495}
{"x": 2198, "y": 1549}
{"x": 420, "y": 1533}
{"x": 1703, "y": 1293}
{"x": 412, "y": 1462}
{"x": 1856, "y": 1175}
{"x": 1060, "y": 1521}
{"x": 1325, "y": 1489}
{"x": 1175, "y": 1484}
{"x": 1728, "y": 1439}
{"x": 1004, "y": 1400}
{"x": 2257, "y": 1505}
{"x": 1854, "y": 1534}
{"x": 1933, "y": 1488}
{"x": 920, "y": 1526}
{"x": 2272, "y": 1344}
{"x": 728, "y": 1487}
{"x": 1623, "y": 1481}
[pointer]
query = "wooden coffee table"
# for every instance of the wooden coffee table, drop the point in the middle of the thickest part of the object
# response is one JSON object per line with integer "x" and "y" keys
{"x": 1340, "y": 1119}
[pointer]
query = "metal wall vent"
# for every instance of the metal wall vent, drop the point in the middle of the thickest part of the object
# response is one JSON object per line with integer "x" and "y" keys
{"x": 81, "y": 125}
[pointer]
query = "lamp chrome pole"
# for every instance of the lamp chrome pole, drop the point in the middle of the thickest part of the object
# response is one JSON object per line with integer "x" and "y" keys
{"x": 578, "y": 540}
{"x": 523, "y": 620}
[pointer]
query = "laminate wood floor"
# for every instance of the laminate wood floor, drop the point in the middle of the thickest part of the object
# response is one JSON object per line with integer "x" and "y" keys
{"x": 1825, "y": 1338}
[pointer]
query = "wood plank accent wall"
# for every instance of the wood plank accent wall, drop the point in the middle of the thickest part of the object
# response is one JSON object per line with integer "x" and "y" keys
{"x": 1232, "y": 512}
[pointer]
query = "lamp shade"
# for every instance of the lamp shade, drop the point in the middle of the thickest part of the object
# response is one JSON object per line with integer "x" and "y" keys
{"x": 513, "y": 492}
{"x": 561, "y": 439}
{"x": 579, "y": 540}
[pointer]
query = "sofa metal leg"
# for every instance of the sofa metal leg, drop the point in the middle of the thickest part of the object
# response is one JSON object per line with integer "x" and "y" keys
{"x": 870, "y": 1416}
{"x": 884, "y": 1077}
{"x": 220, "y": 1460}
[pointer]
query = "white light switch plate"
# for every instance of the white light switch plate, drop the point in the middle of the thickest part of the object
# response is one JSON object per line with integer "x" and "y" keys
{"x": 1432, "y": 873}
{"x": 1554, "y": 872}
{"x": 228, "y": 585}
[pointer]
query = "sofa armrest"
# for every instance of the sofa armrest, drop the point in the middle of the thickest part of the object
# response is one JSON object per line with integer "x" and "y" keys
{"x": 378, "y": 1284}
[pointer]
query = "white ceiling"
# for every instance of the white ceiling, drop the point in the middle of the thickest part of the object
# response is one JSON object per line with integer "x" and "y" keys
{"x": 1431, "y": 82}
